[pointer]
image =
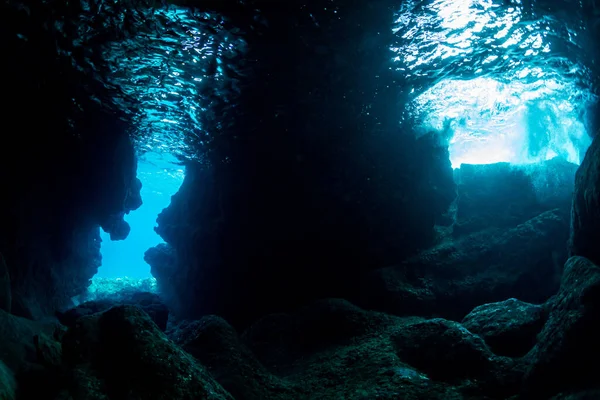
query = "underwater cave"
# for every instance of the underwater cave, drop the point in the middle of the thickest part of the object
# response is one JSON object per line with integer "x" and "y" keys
{"x": 260, "y": 200}
{"x": 123, "y": 262}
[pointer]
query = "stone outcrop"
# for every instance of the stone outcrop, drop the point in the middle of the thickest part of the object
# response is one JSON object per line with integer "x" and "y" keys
{"x": 69, "y": 168}
{"x": 150, "y": 303}
{"x": 452, "y": 278}
{"x": 502, "y": 195}
{"x": 509, "y": 327}
{"x": 567, "y": 348}
{"x": 7, "y": 383}
{"x": 292, "y": 208}
{"x": 585, "y": 218}
{"x": 122, "y": 353}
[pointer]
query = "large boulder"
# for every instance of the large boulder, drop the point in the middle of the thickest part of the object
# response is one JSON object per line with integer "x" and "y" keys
{"x": 121, "y": 353}
{"x": 213, "y": 342}
{"x": 567, "y": 350}
{"x": 30, "y": 353}
{"x": 17, "y": 340}
{"x": 509, "y": 327}
{"x": 448, "y": 352}
{"x": 8, "y": 386}
{"x": 452, "y": 278}
{"x": 585, "y": 217}
{"x": 150, "y": 303}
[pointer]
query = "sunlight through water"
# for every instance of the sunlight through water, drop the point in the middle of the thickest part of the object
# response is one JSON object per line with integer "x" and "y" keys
{"x": 495, "y": 83}
{"x": 161, "y": 178}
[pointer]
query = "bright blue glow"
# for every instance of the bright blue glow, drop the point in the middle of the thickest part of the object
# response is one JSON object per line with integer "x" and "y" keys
{"x": 487, "y": 121}
{"x": 499, "y": 86}
{"x": 161, "y": 178}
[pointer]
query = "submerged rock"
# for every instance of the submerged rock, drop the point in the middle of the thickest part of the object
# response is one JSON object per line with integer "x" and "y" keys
{"x": 492, "y": 195}
{"x": 446, "y": 351}
{"x": 148, "y": 302}
{"x": 17, "y": 346}
{"x": 217, "y": 346}
{"x": 566, "y": 353}
{"x": 30, "y": 351}
{"x": 456, "y": 276}
{"x": 585, "y": 218}
{"x": 8, "y": 385}
{"x": 502, "y": 195}
{"x": 509, "y": 327}
{"x": 121, "y": 353}
{"x": 332, "y": 349}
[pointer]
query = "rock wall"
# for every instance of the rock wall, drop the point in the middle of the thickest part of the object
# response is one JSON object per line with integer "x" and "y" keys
{"x": 320, "y": 180}
{"x": 585, "y": 215}
{"x": 66, "y": 167}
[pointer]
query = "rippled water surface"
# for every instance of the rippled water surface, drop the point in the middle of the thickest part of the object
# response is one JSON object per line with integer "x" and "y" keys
{"x": 498, "y": 79}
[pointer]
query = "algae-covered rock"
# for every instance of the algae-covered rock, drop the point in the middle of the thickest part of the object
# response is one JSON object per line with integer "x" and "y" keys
{"x": 150, "y": 303}
{"x": 445, "y": 350}
{"x": 452, "y": 278}
{"x": 130, "y": 357}
{"x": 566, "y": 353}
{"x": 17, "y": 346}
{"x": 585, "y": 214}
{"x": 509, "y": 327}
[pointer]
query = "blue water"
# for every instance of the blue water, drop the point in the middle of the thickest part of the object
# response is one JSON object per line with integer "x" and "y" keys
{"x": 498, "y": 80}
{"x": 161, "y": 178}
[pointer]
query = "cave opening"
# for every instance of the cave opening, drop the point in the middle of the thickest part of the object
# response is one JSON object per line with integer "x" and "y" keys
{"x": 487, "y": 121}
{"x": 123, "y": 264}
{"x": 495, "y": 83}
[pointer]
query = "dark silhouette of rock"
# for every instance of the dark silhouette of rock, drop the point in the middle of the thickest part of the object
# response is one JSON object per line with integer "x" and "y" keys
{"x": 503, "y": 195}
{"x": 121, "y": 353}
{"x": 50, "y": 233}
{"x": 8, "y": 385}
{"x": 492, "y": 195}
{"x": 585, "y": 217}
{"x": 445, "y": 350}
{"x": 5, "y": 291}
{"x": 29, "y": 351}
{"x": 452, "y": 278}
{"x": 150, "y": 303}
{"x": 17, "y": 346}
{"x": 313, "y": 197}
{"x": 508, "y": 327}
{"x": 565, "y": 355}
{"x": 214, "y": 343}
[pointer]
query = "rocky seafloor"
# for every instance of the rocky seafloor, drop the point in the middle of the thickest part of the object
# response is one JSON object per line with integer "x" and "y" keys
{"x": 319, "y": 252}
{"x": 433, "y": 342}
{"x": 330, "y": 349}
